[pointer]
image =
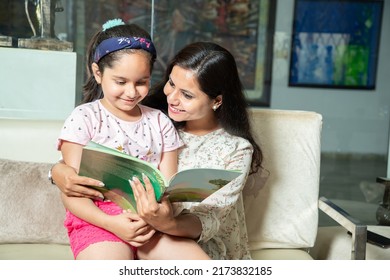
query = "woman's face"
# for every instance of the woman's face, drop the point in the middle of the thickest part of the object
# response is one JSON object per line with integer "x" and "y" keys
{"x": 186, "y": 102}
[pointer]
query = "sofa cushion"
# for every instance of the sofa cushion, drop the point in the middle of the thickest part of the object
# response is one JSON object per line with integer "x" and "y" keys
{"x": 30, "y": 206}
{"x": 284, "y": 213}
{"x": 35, "y": 252}
{"x": 280, "y": 254}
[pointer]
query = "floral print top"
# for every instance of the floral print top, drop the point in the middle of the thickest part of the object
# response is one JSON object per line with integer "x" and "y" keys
{"x": 224, "y": 234}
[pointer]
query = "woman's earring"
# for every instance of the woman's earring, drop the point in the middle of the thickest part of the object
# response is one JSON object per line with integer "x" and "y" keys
{"x": 215, "y": 107}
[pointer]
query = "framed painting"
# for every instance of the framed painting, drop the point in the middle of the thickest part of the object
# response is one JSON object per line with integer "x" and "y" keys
{"x": 245, "y": 28}
{"x": 335, "y": 43}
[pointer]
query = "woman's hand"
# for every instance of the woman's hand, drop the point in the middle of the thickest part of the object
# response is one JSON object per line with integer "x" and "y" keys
{"x": 158, "y": 215}
{"x": 71, "y": 184}
{"x": 130, "y": 228}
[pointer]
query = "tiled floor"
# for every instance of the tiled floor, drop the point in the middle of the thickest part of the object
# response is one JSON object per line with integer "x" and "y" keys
{"x": 346, "y": 179}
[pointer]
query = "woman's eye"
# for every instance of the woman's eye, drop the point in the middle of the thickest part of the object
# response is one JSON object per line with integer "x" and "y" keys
{"x": 187, "y": 96}
{"x": 120, "y": 82}
{"x": 171, "y": 83}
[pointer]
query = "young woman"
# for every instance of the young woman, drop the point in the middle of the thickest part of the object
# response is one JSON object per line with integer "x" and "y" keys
{"x": 203, "y": 95}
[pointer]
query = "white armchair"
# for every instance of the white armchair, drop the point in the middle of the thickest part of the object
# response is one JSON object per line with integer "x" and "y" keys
{"x": 282, "y": 217}
{"x": 282, "y": 201}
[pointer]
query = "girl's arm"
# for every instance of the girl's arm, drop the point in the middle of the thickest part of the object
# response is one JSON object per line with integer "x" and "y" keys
{"x": 82, "y": 207}
{"x": 168, "y": 164}
{"x": 126, "y": 226}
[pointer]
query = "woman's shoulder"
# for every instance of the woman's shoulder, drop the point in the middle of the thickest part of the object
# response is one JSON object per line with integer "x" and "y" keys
{"x": 217, "y": 138}
{"x": 228, "y": 137}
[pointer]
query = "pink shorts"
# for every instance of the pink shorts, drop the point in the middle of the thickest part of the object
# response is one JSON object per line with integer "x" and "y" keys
{"x": 82, "y": 234}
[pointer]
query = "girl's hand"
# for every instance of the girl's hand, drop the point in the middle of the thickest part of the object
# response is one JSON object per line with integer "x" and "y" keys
{"x": 130, "y": 228}
{"x": 158, "y": 215}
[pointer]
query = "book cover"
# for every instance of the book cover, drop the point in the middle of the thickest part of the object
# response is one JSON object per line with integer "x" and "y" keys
{"x": 115, "y": 169}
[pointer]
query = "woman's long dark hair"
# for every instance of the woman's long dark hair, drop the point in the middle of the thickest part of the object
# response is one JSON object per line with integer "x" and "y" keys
{"x": 216, "y": 72}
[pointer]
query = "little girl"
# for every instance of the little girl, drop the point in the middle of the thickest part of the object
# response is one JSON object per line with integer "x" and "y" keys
{"x": 120, "y": 59}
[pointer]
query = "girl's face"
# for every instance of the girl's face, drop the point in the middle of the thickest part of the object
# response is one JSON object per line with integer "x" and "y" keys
{"x": 125, "y": 84}
{"x": 186, "y": 102}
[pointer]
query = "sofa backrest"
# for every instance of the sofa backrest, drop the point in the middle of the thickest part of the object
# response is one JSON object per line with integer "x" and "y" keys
{"x": 281, "y": 201}
{"x": 30, "y": 140}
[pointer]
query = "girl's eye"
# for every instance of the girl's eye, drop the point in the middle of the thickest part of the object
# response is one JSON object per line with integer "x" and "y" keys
{"x": 171, "y": 83}
{"x": 120, "y": 82}
{"x": 142, "y": 83}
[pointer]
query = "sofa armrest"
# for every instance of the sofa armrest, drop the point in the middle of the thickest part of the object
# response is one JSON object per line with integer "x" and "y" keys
{"x": 358, "y": 230}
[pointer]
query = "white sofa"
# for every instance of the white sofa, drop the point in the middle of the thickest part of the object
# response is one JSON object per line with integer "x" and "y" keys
{"x": 281, "y": 203}
{"x": 32, "y": 213}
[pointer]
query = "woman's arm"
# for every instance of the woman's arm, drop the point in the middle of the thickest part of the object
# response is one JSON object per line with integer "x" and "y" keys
{"x": 71, "y": 184}
{"x": 213, "y": 211}
{"x": 200, "y": 220}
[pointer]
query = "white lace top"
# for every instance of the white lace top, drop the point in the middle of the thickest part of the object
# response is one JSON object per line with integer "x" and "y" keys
{"x": 224, "y": 234}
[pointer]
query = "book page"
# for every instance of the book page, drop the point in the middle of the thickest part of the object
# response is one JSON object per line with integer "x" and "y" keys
{"x": 196, "y": 184}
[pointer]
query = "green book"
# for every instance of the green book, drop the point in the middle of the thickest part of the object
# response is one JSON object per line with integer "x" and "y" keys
{"x": 115, "y": 169}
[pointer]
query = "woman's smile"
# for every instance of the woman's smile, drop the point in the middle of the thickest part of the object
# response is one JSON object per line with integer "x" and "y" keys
{"x": 174, "y": 110}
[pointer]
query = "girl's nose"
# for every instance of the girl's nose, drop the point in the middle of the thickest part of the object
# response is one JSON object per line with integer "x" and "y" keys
{"x": 131, "y": 91}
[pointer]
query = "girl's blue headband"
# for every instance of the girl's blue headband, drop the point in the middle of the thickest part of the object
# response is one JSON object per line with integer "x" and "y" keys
{"x": 119, "y": 43}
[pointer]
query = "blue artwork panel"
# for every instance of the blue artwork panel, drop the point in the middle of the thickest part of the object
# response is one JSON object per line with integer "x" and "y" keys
{"x": 335, "y": 43}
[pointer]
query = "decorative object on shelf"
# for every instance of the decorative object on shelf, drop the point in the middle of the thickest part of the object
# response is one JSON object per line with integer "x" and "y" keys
{"x": 383, "y": 211}
{"x": 335, "y": 44}
{"x": 42, "y": 25}
{"x": 7, "y": 41}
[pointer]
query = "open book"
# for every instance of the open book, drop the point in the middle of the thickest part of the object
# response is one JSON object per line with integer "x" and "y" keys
{"x": 115, "y": 169}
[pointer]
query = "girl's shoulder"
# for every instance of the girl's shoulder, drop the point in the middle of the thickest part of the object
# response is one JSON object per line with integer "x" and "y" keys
{"x": 88, "y": 112}
{"x": 90, "y": 106}
{"x": 147, "y": 109}
{"x": 152, "y": 112}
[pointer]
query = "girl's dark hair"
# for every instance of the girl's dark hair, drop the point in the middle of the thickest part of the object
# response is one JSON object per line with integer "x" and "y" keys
{"x": 216, "y": 72}
{"x": 91, "y": 89}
